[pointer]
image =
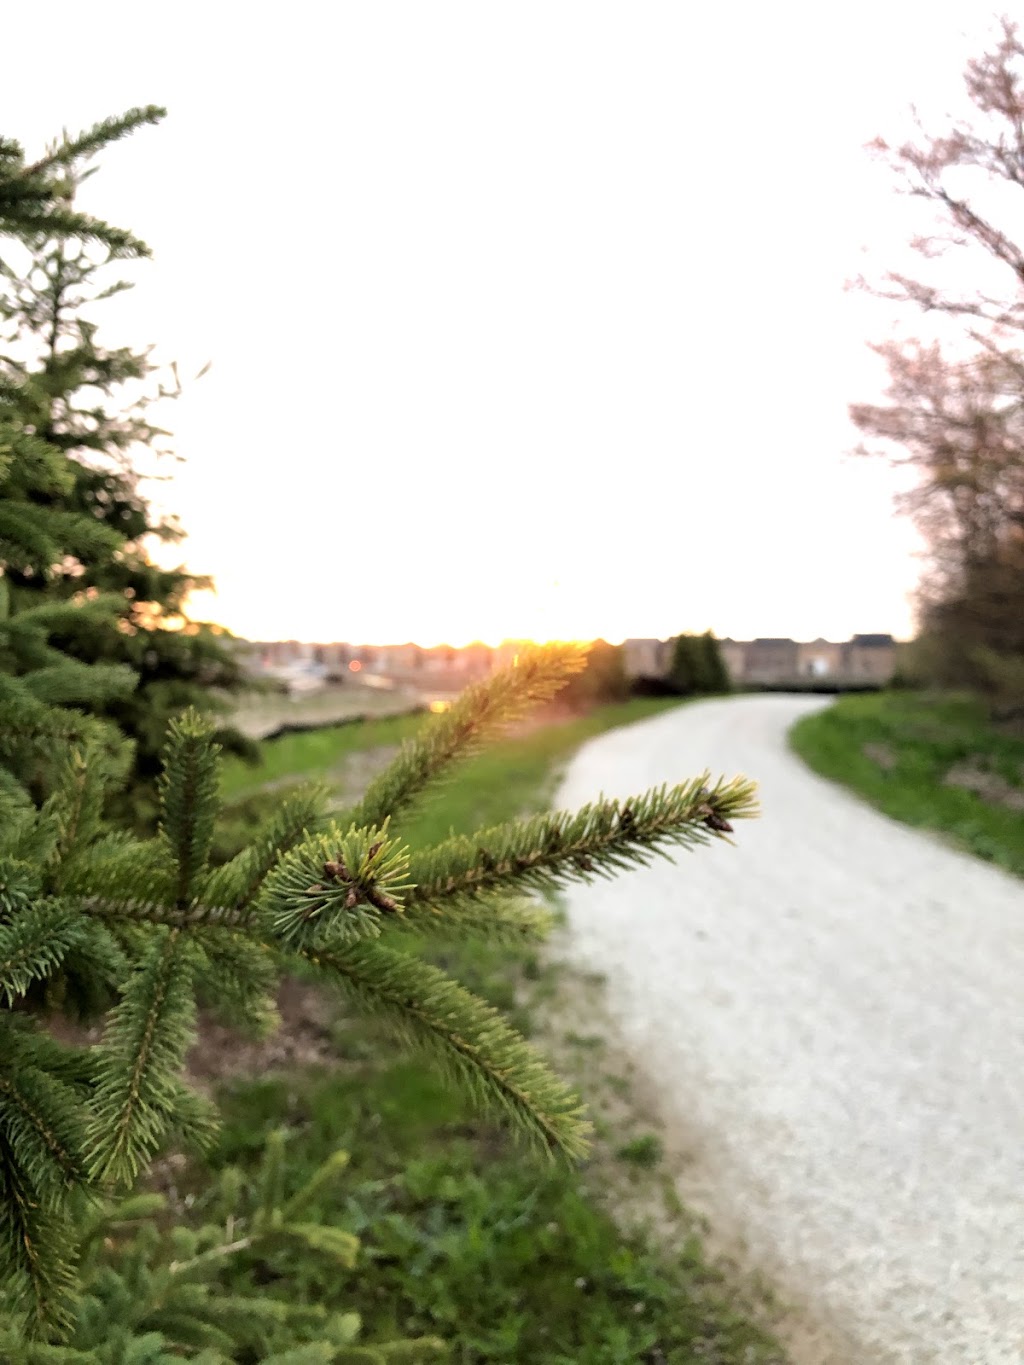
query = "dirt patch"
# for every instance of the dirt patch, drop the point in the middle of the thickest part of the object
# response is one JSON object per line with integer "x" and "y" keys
{"x": 304, "y": 1038}
{"x": 882, "y": 755}
{"x": 989, "y": 786}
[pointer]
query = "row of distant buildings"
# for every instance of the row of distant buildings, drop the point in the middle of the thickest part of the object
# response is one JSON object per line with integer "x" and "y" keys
{"x": 339, "y": 660}
{"x": 863, "y": 659}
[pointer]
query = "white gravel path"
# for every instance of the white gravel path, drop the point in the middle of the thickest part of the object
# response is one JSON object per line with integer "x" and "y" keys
{"x": 833, "y": 1015}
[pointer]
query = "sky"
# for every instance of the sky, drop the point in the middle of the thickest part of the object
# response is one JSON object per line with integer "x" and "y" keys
{"x": 523, "y": 320}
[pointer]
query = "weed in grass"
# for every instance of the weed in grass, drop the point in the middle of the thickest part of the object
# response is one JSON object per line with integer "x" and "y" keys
{"x": 645, "y": 1151}
{"x": 584, "y": 1040}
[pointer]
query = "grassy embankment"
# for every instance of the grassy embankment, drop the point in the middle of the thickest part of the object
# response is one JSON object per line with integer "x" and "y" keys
{"x": 463, "y": 1234}
{"x": 933, "y": 761}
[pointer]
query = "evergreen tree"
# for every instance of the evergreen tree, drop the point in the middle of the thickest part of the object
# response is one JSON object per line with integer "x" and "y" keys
{"x": 603, "y": 680}
{"x": 35, "y": 676}
{"x": 32, "y": 200}
{"x": 716, "y": 675}
{"x": 152, "y": 1289}
{"x": 697, "y": 666}
{"x": 64, "y": 388}
{"x": 151, "y": 920}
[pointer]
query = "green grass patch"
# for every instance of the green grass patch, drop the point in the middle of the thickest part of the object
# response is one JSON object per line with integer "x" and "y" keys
{"x": 897, "y": 749}
{"x": 463, "y": 1237}
{"x": 517, "y": 776}
{"x": 645, "y": 1151}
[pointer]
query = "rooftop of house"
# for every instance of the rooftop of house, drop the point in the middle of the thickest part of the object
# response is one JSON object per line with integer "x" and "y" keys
{"x": 873, "y": 641}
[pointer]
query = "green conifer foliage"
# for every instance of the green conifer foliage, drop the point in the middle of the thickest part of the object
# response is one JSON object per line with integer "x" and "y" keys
{"x": 150, "y": 1285}
{"x": 698, "y": 666}
{"x": 88, "y": 621}
{"x": 163, "y": 930}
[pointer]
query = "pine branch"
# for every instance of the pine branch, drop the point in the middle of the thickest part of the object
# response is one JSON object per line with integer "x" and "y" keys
{"x": 43, "y": 1120}
{"x": 34, "y": 199}
{"x": 339, "y": 1245}
{"x": 492, "y": 919}
{"x": 35, "y": 943}
{"x": 414, "y": 1351}
{"x": 195, "y": 1119}
{"x": 551, "y": 850}
{"x": 16, "y": 809}
{"x": 64, "y": 616}
{"x": 236, "y": 884}
{"x": 237, "y": 978}
{"x": 121, "y": 876}
{"x": 73, "y": 683}
{"x": 23, "y": 539}
{"x": 75, "y": 805}
{"x": 335, "y": 888}
{"x": 39, "y": 1353}
{"x": 73, "y": 1066}
{"x": 323, "y": 1353}
{"x": 25, "y": 720}
{"x": 479, "y": 714}
{"x": 37, "y": 1251}
{"x": 471, "y": 1041}
{"x": 91, "y": 974}
{"x": 325, "y": 1174}
{"x": 189, "y": 799}
{"x": 94, "y": 139}
{"x": 144, "y": 1047}
{"x": 123, "y": 915}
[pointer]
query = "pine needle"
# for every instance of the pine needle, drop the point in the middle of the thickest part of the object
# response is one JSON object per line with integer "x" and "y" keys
{"x": 189, "y": 799}
{"x": 474, "y": 1045}
{"x": 142, "y": 1051}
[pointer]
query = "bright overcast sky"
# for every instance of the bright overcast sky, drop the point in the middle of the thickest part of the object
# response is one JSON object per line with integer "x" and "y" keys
{"x": 524, "y": 319}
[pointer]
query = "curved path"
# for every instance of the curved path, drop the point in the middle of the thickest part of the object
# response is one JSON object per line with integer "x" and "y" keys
{"x": 832, "y": 1016}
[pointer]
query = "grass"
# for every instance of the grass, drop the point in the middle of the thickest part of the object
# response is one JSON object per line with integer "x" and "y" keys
{"x": 512, "y": 1261}
{"x": 508, "y": 1260}
{"x": 312, "y": 754}
{"x": 644, "y": 1150}
{"x": 896, "y": 748}
{"x": 518, "y": 776}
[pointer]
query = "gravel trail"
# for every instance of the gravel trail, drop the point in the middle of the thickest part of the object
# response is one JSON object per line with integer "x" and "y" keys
{"x": 832, "y": 1018}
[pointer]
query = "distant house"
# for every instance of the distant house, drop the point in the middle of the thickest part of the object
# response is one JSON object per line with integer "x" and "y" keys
{"x": 871, "y": 658}
{"x": 777, "y": 661}
{"x": 646, "y": 658}
{"x": 771, "y": 659}
{"x": 819, "y": 659}
{"x": 734, "y": 655}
